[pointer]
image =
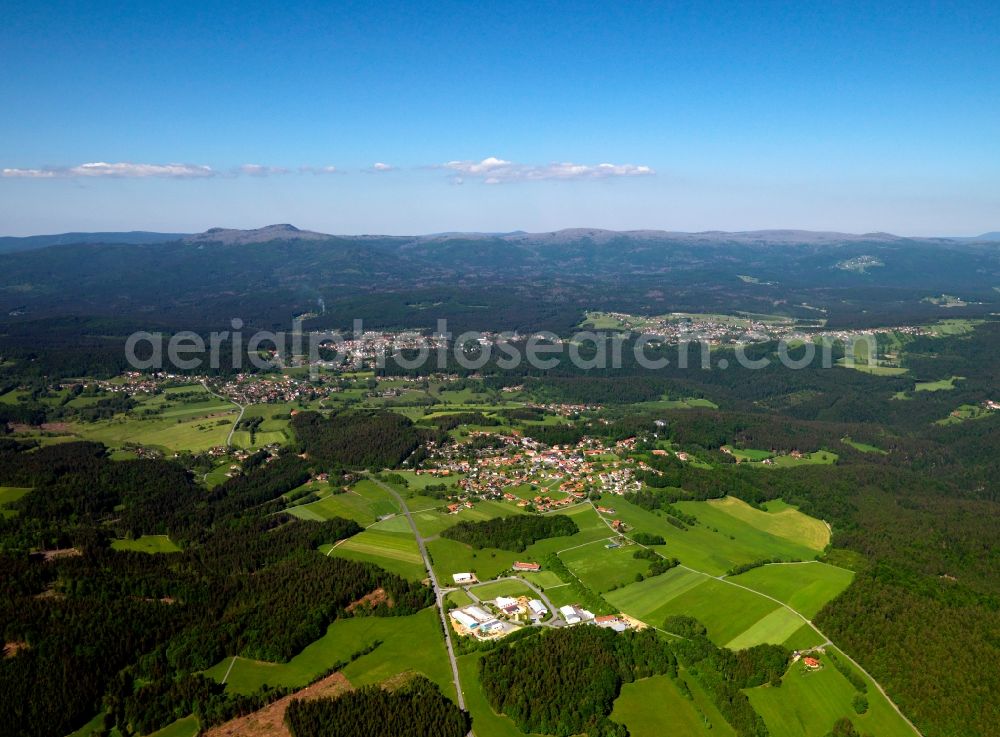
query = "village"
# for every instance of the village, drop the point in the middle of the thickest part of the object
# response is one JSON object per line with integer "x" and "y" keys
{"x": 530, "y": 475}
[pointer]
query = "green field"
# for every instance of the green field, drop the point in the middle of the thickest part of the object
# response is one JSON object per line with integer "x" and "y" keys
{"x": 416, "y": 482}
{"x": 722, "y": 540}
{"x": 654, "y": 707}
{"x": 870, "y": 365}
{"x": 803, "y": 638}
{"x": 953, "y": 326}
{"x": 774, "y": 628}
{"x": 966, "y": 412}
{"x": 780, "y": 520}
{"x": 178, "y": 424}
{"x": 684, "y": 403}
{"x": 197, "y": 434}
{"x": 750, "y": 454}
{"x": 451, "y": 557}
{"x": 602, "y": 569}
{"x": 147, "y": 544}
{"x": 863, "y": 447}
{"x": 186, "y": 727}
{"x": 10, "y": 494}
{"x": 365, "y": 502}
{"x": 543, "y": 579}
{"x": 432, "y": 522}
{"x": 937, "y": 386}
{"x": 821, "y": 457}
{"x": 490, "y": 591}
{"x": 394, "y": 551}
{"x": 805, "y": 587}
{"x": 808, "y": 704}
{"x": 726, "y": 611}
{"x": 458, "y": 597}
{"x": 643, "y": 599}
{"x": 412, "y": 643}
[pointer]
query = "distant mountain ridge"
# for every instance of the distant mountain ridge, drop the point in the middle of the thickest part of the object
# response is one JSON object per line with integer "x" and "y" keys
{"x": 11, "y": 244}
{"x": 596, "y": 236}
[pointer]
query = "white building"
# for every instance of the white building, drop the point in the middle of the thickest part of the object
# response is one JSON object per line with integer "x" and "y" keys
{"x": 478, "y": 613}
{"x": 492, "y": 626}
{"x": 574, "y": 614}
{"x": 463, "y": 579}
{"x": 505, "y": 601}
{"x": 569, "y": 614}
{"x": 464, "y": 619}
{"x": 537, "y": 608}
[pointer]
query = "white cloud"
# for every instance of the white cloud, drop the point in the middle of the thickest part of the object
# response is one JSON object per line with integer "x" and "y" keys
{"x": 379, "y": 166}
{"x": 493, "y": 170}
{"x": 30, "y": 173}
{"x": 259, "y": 170}
{"x": 120, "y": 170}
{"x": 319, "y": 170}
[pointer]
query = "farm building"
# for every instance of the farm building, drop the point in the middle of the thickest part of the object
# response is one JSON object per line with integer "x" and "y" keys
{"x": 810, "y": 662}
{"x": 527, "y": 567}
{"x": 464, "y": 578}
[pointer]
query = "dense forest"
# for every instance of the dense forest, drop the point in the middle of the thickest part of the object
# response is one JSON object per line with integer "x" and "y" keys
{"x": 358, "y": 440}
{"x": 416, "y": 709}
{"x": 90, "y": 620}
{"x": 511, "y": 533}
{"x": 482, "y": 283}
{"x": 564, "y": 682}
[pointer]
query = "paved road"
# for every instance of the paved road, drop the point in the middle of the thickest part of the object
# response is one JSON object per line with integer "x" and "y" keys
{"x": 229, "y": 440}
{"x": 826, "y": 640}
{"x": 554, "y": 622}
{"x": 438, "y": 592}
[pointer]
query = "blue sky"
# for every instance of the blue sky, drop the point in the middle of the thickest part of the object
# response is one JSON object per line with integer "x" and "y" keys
{"x": 503, "y": 116}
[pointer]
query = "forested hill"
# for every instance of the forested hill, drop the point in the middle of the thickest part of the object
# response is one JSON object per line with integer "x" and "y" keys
{"x": 10, "y": 244}
{"x": 516, "y": 281}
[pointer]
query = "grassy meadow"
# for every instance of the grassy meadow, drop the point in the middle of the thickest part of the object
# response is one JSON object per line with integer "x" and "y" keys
{"x": 147, "y": 544}
{"x": 413, "y": 643}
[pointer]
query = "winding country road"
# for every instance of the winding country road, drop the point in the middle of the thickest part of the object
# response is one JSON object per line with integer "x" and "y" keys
{"x": 229, "y": 440}
{"x": 438, "y": 591}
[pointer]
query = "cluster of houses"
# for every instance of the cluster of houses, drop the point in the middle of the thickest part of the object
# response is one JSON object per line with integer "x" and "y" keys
{"x": 560, "y": 475}
{"x": 677, "y": 328}
{"x": 269, "y": 389}
{"x": 371, "y": 348}
{"x": 136, "y": 382}
{"x": 567, "y": 410}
